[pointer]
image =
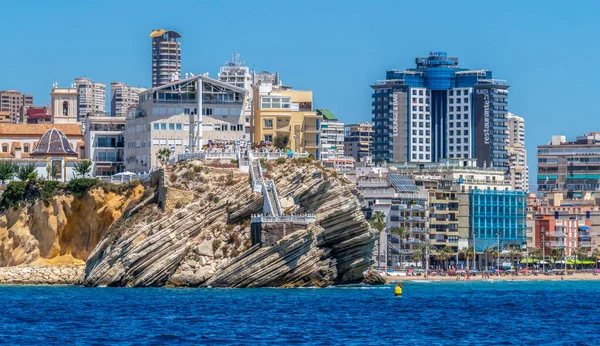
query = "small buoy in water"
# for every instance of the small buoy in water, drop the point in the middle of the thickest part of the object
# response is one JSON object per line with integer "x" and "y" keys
{"x": 398, "y": 290}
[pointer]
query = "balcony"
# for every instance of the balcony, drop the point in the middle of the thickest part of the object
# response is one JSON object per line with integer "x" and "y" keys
{"x": 283, "y": 129}
{"x": 587, "y": 243}
{"x": 556, "y": 234}
{"x": 312, "y": 144}
{"x": 311, "y": 129}
{"x": 556, "y": 244}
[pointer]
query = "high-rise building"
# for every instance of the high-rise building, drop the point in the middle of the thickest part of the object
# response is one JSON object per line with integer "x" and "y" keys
{"x": 439, "y": 110}
{"x": 571, "y": 168}
{"x": 91, "y": 98}
{"x": 235, "y": 73}
{"x": 16, "y": 104}
{"x": 332, "y": 136}
{"x": 518, "y": 173}
{"x": 357, "y": 141}
{"x": 166, "y": 57}
{"x": 123, "y": 98}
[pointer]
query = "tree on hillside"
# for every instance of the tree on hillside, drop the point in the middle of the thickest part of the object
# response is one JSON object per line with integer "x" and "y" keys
{"x": 26, "y": 172}
{"x": 281, "y": 142}
{"x": 378, "y": 222}
{"x": 82, "y": 168}
{"x": 7, "y": 171}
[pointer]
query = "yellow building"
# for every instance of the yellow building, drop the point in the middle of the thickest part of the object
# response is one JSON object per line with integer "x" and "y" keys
{"x": 286, "y": 115}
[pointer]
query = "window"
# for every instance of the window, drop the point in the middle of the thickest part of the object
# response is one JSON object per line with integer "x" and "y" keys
{"x": 414, "y": 148}
{"x": 451, "y": 140}
{"x": 451, "y": 92}
{"x": 163, "y": 126}
{"x": 156, "y": 126}
{"x": 451, "y": 133}
{"x": 466, "y": 124}
{"x": 458, "y": 117}
{"x": 451, "y": 101}
{"x": 420, "y": 100}
{"x": 414, "y": 108}
{"x": 458, "y": 108}
{"x": 178, "y": 127}
{"x": 421, "y": 109}
{"x": 466, "y": 100}
{"x": 171, "y": 127}
{"x": 420, "y": 148}
{"x": 466, "y": 140}
{"x": 186, "y": 111}
{"x": 458, "y": 132}
{"x": 420, "y": 124}
{"x": 65, "y": 108}
{"x": 458, "y": 124}
{"x": 466, "y": 108}
{"x": 224, "y": 127}
{"x": 458, "y": 140}
{"x": 414, "y": 140}
{"x": 458, "y": 100}
{"x": 451, "y": 117}
{"x": 466, "y": 147}
{"x": 457, "y": 92}
{"x": 451, "y": 109}
{"x": 420, "y": 156}
{"x": 420, "y": 92}
{"x": 451, "y": 148}
{"x": 268, "y": 123}
{"x": 414, "y": 92}
{"x": 427, "y": 132}
{"x": 268, "y": 138}
{"x": 414, "y": 132}
{"x": 427, "y": 156}
{"x": 414, "y": 156}
{"x": 420, "y": 140}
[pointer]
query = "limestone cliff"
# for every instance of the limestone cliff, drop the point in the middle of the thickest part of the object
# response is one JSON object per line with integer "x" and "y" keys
{"x": 63, "y": 226}
{"x": 202, "y": 236}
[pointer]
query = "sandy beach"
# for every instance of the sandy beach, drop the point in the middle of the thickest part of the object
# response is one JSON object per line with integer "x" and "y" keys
{"x": 576, "y": 276}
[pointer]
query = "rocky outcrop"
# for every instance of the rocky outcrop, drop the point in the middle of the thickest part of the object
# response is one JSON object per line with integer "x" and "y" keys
{"x": 206, "y": 242}
{"x": 374, "y": 278}
{"x": 44, "y": 275}
{"x": 62, "y": 225}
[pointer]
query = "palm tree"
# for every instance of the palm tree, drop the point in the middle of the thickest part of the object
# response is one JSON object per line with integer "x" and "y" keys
{"x": 556, "y": 254}
{"x": 595, "y": 255}
{"x": 515, "y": 252}
{"x": 445, "y": 254}
{"x": 163, "y": 156}
{"x": 495, "y": 253}
{"x": 470, "y": 254}
{"x": 580, "y": 253}
{"x": 531, "y": 253}
{"x": 487, "y": 252}
{"x": 378, "y": 222}
{"x": 401, "y": 233}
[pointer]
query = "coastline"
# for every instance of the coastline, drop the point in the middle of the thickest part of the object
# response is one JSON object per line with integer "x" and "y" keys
{"x": 572, "y": 277}
{"x": 63, "y": 274}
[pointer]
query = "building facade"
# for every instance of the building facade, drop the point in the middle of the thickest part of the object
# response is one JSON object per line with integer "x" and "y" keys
{"x": 439, "y": 110}
{"x": 498, "y": 218}
{"x": 38, "y": 115}
{"x": 235, "y": 73}
{"x": 572, "y": 168}
{"x": 15, "y": 104}
{"x": 357, "y": 141}
{"x": 105, "y": 144}
{"x": 518, "y": 172}
{"x": 166, "y": 57}
{"x": 404, "y": 205}
{"x": 123, "y": 98}
{"x": 332, "y": 135}
{"x": 18, "y": 141}
{"x": 280, "y": 111}
{"x": 182, "y": 116}
{"x": 91, "y": 98}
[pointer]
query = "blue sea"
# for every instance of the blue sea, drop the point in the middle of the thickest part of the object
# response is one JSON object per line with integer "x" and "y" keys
{"x": 429, "y": 313}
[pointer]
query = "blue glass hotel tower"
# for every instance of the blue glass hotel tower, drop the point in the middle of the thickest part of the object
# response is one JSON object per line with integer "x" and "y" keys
{"x": 439, "y": 110}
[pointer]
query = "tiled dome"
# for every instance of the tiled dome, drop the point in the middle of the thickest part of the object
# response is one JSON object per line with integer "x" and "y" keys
{"x": 54, "y": 142}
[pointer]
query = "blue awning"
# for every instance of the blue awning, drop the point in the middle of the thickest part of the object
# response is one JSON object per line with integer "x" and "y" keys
{"x": 585, "y": 228}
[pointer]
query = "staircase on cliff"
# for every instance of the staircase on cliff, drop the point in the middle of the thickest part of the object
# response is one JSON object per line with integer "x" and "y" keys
{"x": 272, "y": 211}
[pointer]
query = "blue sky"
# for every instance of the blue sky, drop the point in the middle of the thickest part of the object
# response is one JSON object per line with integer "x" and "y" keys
{"x": 336, "y": 48}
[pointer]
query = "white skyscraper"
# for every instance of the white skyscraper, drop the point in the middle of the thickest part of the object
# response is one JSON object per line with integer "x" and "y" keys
{"x": 517, "y": 158}
{"x": 235, "y": 73}
{"x": 123, "y": 98}
{"x": 91, "y": 98}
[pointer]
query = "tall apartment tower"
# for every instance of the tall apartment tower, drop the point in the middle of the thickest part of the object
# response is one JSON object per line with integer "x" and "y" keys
{"x": 439, "y": 110}
{"x": 91, "y": 98}
{"x": 166, "y": 57}
{"x": 123, "y": 98}
{"x": 358, "y": 140}
{"x": 332, "y": 135}
{"x": 235, "y": 73}
{"x": 15, "y": 105}
{"x": 571, "y": 167}
{"x": 517, "y": 158}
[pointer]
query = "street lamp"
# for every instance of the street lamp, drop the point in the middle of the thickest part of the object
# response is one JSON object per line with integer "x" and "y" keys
{"x": 498, "y": 241}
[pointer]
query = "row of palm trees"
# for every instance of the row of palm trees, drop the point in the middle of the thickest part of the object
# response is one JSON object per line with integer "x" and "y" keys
{"x": 446, "y": 253}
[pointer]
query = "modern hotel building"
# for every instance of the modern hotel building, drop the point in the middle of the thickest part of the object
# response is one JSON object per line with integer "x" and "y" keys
{"x": 439, "y": 110}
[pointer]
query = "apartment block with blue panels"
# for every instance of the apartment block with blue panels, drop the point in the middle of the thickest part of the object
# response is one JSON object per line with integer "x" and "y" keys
{"x": 439, "y": 110}
{"x": 497, "y": 216}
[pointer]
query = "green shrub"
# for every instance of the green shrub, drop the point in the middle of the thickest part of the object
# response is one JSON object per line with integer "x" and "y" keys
{"x": 49, "y": 188}
{"x": 280, "y": 161}
{"x": 234, "y": 161}
{"x": 13, "y": 195}
{"x": 79, "y": 187}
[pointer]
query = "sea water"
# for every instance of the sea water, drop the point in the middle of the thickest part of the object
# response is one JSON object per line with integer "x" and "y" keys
{"x": 431, "y": 313}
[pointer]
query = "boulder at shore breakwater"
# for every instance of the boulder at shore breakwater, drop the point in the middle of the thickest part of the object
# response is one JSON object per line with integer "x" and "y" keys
{"x": 195, "y": 231}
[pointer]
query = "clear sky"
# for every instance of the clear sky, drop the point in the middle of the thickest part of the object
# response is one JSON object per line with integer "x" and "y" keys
{"x": 336, "y": 48}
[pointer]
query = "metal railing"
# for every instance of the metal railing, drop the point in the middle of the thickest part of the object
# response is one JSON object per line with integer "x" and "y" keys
{"x": 300, "y": 219}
